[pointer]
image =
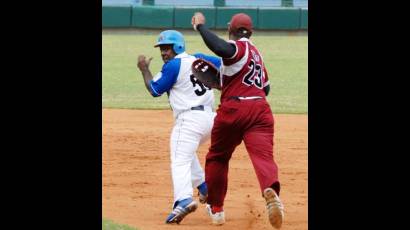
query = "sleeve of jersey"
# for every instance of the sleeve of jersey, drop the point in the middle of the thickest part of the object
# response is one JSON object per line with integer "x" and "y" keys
{"x": 214, "y": 60}
{"x": 240, "y": 51}
{"x": 165, "y": 79}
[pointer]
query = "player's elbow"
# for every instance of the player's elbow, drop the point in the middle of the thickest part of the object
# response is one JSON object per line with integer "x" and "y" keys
{"x": 218, "y": 50}
{"x": 154, "y": 95}
{"x": 153, "y": 92}
{"x": 223, "y": 52}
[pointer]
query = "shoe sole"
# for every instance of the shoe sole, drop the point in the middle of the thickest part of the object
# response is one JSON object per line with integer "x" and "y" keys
{"x": 178, "y": 218}
{"x": 274, "y": 212}
{"x": 218, "y": 222}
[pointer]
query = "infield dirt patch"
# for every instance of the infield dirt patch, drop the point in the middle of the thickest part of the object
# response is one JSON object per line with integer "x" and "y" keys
{"x": 137, "y": 186}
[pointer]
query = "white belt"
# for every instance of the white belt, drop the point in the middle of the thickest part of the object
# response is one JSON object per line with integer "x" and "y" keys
{"x": 249, "y": 98}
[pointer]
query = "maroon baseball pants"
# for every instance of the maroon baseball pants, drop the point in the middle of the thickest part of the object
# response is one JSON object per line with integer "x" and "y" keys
{"x": 248, "y": 120}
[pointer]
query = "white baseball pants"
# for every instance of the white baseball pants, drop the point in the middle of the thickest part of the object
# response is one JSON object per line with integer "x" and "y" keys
{"x": 191, "y": 129}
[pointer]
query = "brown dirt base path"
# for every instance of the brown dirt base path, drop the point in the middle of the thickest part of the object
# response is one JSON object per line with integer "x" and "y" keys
{"x": 137, "y": 188}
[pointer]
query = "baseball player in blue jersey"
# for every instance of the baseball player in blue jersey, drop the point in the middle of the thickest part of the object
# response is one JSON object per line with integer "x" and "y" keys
{"x": 192, "y": 106}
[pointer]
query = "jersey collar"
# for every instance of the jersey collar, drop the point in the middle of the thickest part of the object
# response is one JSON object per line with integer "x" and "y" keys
{"x": 182, "y": 55}
{"x": 246, "y": 40}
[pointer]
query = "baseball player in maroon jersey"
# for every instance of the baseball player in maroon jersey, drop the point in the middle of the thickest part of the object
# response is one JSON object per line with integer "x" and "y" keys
{"x": 243, "y": 114}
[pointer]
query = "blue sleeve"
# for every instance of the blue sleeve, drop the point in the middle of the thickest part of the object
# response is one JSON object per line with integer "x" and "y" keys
{"x": 164, "y": 80}
{"x": 214, "y": 60}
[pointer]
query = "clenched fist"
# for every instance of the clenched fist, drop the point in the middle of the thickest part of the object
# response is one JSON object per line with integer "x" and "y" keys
{"x": 143, "y": 63}
{"x": 197, "y": 19}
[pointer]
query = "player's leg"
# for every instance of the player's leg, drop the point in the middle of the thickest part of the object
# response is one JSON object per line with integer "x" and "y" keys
{"x": 224, "y": 139}
{"x": 198, "y": 174}
{"x": 184, "y": 143}
{"x": 258, "y": 140}
{"x": 259, "y": 145}
{"x": 225, "y": 136}
{"x": 207, "y": 124}
{"x": 202, "y": 122}
{"x": 198, "y": 179}
{"x": 200, "y": 128}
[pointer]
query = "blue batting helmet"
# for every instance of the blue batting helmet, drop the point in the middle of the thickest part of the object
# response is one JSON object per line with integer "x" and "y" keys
{"x": 172, "y": 37}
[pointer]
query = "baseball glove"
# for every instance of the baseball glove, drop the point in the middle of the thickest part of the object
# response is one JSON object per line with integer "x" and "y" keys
{"x": 206, "y": 73}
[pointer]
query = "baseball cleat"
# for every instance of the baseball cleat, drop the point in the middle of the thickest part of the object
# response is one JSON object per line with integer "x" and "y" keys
{"x": 218, "y": 218}
{"x": 202, "y": 193}
{"x": 183, "y": 208}
{"x": 274, "y": 207}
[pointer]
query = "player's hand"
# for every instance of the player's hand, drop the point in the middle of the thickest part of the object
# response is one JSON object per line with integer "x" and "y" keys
{"x": 143, "y": 63}
{"x": 197, "y": 19}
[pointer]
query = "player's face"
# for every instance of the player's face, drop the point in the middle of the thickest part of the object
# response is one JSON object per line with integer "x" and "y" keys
{"x": 167, "y": 53}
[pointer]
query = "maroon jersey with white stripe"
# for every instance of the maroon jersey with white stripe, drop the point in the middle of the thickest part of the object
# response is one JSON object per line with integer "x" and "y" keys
{"x": 243, "y": 74}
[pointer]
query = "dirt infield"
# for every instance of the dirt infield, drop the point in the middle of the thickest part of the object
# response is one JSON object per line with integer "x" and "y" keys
{"x": 136, "y": 179}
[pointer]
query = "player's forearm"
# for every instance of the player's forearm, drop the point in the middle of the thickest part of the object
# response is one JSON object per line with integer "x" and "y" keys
{"x": 147, "y": 79}
{"x": 219, "y": 46}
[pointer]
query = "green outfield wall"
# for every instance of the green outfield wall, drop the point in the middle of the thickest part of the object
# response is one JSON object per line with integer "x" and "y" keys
{"x": 304, "y": 19}
{"x": 224, "y": 15}
{"x": 183, "y": 16}
{"x": 152, "y": 17}
{"x": 281, "y": 19}
{"x": 116, "y": 16}
{"x": 146, "y": 16}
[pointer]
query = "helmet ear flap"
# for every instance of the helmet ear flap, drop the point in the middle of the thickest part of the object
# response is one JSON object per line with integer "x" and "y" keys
{"x": 178, "y": 48}
{"x": 175, "y": 48}
{"x": 172, "y": 37}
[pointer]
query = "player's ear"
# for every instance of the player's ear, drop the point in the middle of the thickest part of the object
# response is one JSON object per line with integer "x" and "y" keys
{"x": 231, "y": 35}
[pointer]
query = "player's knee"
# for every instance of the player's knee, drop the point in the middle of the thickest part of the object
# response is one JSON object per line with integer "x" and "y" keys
{"x": 218, "y": 156}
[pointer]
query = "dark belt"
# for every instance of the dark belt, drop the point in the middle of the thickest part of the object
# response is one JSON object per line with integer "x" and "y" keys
{"x": 238, "y": 98}
{"x": 199, "y": 107}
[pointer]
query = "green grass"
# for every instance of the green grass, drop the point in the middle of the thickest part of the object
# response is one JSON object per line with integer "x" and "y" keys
{"x": 109, "y": 225}
{"x": 285, "y": 56}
